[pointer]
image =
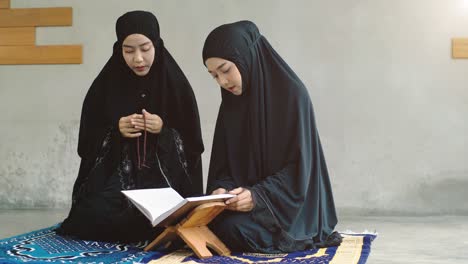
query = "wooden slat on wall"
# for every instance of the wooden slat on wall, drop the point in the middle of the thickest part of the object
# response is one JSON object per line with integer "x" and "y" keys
{"x": 17, "y": 36}
{"x": 65, "y": 54}
{"x": 460, "y": 48}
{"x": 4, "y": 3}
{"x": 32, "y": 17}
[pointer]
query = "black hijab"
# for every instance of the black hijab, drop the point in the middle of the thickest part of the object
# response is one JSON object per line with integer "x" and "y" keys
{"x": 266, "y": 140}
{"x": 117, "y": 92}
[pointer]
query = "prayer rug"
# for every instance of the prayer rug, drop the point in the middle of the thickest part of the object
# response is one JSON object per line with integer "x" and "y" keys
{"x": 45, "y": 246}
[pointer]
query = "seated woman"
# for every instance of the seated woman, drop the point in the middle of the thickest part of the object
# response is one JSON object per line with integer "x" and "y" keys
{"x": 139, "y": 129}
{"x": 266, "y": 149}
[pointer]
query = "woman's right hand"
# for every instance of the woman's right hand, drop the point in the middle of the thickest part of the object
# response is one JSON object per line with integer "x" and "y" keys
{"x": 127, "y": 129}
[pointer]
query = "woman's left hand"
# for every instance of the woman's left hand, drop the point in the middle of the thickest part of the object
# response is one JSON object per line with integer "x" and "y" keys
{"x": 243, "y": 201}
{"x": 154, "y": 123}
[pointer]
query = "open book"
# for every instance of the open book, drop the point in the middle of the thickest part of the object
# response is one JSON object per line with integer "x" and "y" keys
{"x": 164, "y": 206}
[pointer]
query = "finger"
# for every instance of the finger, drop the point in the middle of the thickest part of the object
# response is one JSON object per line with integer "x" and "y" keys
{"x": 236, "y": 190}
{"x": 151, "y": 124}
{"x": 148, "y": 114}
{"x": 219, "y": 191}
{"x": 147, "y": 119}
{"x": 136, "y": 116}
{"x": 132, "y": 135}
{"x": 237, "y": 207}
{"x": 153, "y": 121}
{"x": 147, "y": 128}
{"x": 232, "y": 200}
{"x": 152, "y": 117}
{"x": 241, "y": 206}
{"x": 243, "y": 195}
{"x": 148, "y": 122}
{"x": 131, "y": 130}
{"x": 124, "y": 121}
{"x": 243, "y": 199}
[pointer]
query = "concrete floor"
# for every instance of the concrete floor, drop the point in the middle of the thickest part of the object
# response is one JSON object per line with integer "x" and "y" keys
{"x": 423, "y": 239}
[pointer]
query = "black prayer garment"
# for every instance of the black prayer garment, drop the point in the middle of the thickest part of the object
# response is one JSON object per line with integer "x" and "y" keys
{"x": 266, "y": 140}
{"x": 111, "y": 163}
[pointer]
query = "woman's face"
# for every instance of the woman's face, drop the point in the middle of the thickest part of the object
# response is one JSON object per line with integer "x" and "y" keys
{"x": 226, "y": 74}
{"x": 138, "y": 52}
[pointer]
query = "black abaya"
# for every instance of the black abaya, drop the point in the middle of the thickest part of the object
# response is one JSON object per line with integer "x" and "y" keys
{"x": 266, "y": 140}
{"x": 111, "y": 163}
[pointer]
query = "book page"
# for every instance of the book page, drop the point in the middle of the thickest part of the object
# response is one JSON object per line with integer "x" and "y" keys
{"x": 213, "y": 197}
{"x": 154, "y": 202}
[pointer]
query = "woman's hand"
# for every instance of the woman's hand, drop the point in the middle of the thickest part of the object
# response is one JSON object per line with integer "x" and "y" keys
{"x": 243, "y": 201}
{"x": 154, "y": 123}
{"x": 127, "y": 129}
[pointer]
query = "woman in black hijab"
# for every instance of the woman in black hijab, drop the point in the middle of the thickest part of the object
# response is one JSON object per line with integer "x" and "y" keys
{"x": 266, "y": 149}
{"x": 139, "y": 129}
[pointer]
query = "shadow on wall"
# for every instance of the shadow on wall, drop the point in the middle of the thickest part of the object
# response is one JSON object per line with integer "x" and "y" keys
{"x": 447, "y": 196}
{"x": 41, "y": 175}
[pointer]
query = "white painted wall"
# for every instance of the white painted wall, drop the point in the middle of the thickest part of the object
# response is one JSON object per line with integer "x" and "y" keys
{"x": 390, "y": 102}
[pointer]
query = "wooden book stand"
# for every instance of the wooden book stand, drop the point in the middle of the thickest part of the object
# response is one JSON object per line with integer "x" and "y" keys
{"x": 194, "y": 231}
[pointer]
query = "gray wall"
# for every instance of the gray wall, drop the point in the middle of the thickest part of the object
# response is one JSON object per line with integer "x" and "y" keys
{"x": 390, "y": 102}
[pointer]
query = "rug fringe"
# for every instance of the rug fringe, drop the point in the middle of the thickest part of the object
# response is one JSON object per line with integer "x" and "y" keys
{"x": 365, "y": 232}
